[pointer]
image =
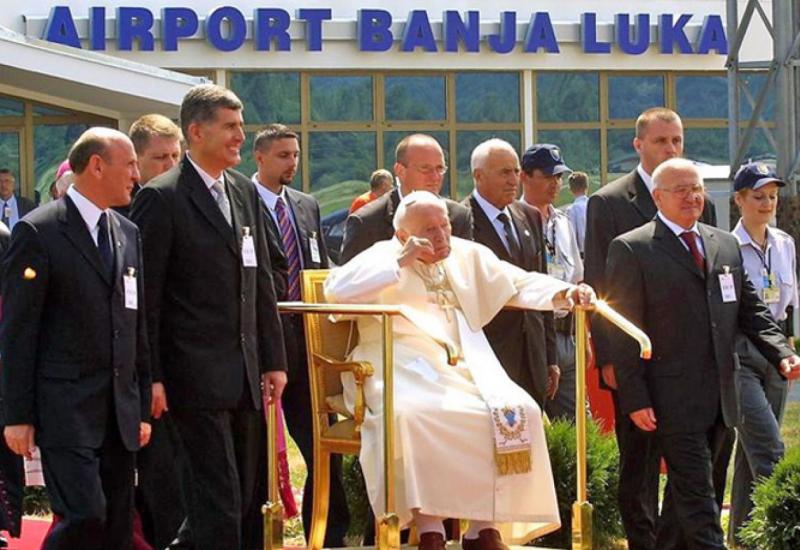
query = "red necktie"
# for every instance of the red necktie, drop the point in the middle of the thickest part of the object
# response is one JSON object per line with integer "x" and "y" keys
{"x": 691, "y": 241}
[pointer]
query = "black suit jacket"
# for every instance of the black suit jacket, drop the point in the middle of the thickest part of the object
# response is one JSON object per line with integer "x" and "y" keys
{"x": 654, "y": 282}
{"x": 71, "y": 349}
{"x": 524, "y": 341}
{"x": 24, "y": 205}
{"x": 305, "y": 209}
{"x": 616, "y": 208}
{"x": 373, "y": 223}
{"x": 213, "y": 323}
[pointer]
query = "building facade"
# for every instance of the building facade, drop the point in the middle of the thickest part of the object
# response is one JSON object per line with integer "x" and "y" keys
{"x": 352, "y": 78}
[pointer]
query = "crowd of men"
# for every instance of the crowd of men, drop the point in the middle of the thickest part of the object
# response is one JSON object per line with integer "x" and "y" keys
{"x": 141, "y": 339}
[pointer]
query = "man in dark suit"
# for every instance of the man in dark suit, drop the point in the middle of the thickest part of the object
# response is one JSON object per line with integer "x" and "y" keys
{"x": 618, "y": 207}
{"x": 159, "y": 499}
{"x": 213, "y": 320}
{"x": 12, "y": 207}
{"x": 419, "y": 166}
{"x": 684, "y": 284}
{"x": 524, "y": 341}
{"x": 295, "y": 217}
{"x": 76, "y": 374}
{"x": 12, "y": 474}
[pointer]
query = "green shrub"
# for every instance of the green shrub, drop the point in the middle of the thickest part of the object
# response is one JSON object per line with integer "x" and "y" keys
{"x": 356, "y": 493}
{"x": 775, "y": 520}
{"x": 603, "y": 477}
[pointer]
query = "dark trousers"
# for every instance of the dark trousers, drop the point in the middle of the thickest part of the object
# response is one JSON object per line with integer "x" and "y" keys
{"x": 563, "y": 404}
{"x": 224, "y": 451}
{"x": 159, "y": 498}
{"x": 762, "y": 399}
{"x": 639, "y": 466}
{"x": 92, "y": 492}
{"x": 690, "y": 517}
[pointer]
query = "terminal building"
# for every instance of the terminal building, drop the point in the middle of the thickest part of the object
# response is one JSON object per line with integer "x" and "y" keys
{"x": 354, "y": 77}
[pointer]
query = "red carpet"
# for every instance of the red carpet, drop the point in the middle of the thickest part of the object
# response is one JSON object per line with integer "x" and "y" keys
{"x": 33, "y": 532}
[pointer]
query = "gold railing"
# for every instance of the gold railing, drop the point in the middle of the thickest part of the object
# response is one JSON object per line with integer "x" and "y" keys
{"x": 388, "y": 536}
{"x": 582, "y": 508}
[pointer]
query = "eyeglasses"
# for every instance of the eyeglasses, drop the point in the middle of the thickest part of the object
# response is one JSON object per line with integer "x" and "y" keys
{"x": 429, "y": 170}
{"x": 684, "y": 191}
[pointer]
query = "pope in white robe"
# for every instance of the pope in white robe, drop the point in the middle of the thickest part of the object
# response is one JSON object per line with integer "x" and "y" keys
{"x": 452, "y": 458}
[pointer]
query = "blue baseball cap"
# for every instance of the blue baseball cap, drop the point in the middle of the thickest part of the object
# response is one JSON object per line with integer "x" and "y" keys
{"x": 755, "y": 175}
{"x": 545, "y": 157}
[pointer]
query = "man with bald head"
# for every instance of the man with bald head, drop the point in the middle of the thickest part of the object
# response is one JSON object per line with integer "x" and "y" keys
{"x": 76, "y": 370}
{"x": 419, "y": 166}
{"x": 524, "y": 341}
{"x": 683, "y": 283}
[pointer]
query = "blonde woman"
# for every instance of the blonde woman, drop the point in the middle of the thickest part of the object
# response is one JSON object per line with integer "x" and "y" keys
{"x": 769, "y": 259}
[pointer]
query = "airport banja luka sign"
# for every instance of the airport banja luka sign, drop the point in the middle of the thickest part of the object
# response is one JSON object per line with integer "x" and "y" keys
{"x": 228, "y": 29}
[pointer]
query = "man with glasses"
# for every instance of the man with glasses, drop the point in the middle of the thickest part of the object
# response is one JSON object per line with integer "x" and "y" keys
{"x": 419, "y": 166}
{"x": 684, "y": 284}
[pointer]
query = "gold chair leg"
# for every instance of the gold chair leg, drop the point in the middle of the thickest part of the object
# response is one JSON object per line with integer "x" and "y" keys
{"x": 388, "y": 532}
{"x": 273, "y": 525}
{"x": 321, "y": 496}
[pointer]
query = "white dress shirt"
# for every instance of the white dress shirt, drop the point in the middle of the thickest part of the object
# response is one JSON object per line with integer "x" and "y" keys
{"x": 678, "y": 230}
{"x": 207, "y": 178}
{"x": 778, "y": 259}
{"x": 89, "y": 211}
{"x": 13, "y": 207}
{"x": 492, "y": 212}
{"x": 577, "y": 217}
{"x": 646, "y": 178}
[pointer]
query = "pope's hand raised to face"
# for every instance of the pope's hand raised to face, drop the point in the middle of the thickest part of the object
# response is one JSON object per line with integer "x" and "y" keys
{"x": 416, "y": 248}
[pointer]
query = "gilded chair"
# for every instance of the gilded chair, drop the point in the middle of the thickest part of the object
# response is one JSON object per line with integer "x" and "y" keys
{"x": 336, "y": 430}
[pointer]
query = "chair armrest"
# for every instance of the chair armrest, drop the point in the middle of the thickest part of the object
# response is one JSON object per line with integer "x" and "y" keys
{"x": 361, "y": 370}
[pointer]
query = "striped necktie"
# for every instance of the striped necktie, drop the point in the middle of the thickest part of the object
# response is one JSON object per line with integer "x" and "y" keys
{"x": 290, "y": 248}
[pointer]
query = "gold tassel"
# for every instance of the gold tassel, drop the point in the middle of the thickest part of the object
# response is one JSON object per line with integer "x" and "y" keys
{"x": 517, "y": 462}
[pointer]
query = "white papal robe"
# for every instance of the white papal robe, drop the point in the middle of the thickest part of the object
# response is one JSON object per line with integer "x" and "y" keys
{"x": 444, "y": 448}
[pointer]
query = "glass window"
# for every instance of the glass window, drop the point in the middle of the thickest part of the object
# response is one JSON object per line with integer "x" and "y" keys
{"x": 760, "y": 148}
{"x": 11, "y": 107}
{"x": 340, "y": 164}
{"x": 391, "y": 139}
{"x": 341, "y": 98}
{"x": 268, "y": 97}
{"x": 465, "y": 143}
{"x": 415, "y": 98}
{"x": 628, "y": 96}
{"x": 9, "y": 151}
{"x": 568, "y": 97}
{"x": 702, "y": 96}
{"x": 580, "y": 150}
{"x": 747, "y": 99}
{"x": 42, "y": 110}
{"x": 487, "y": 97}
{"x": 51, "y": 144}
{"x": 708, "y": 145}
{"x": 622, "y": 157}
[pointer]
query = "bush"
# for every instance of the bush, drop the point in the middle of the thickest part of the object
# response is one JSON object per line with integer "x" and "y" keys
{"x": 603, "y": 477}
{"x": 356, "y": 493}
{"x": 775, "y": 520}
